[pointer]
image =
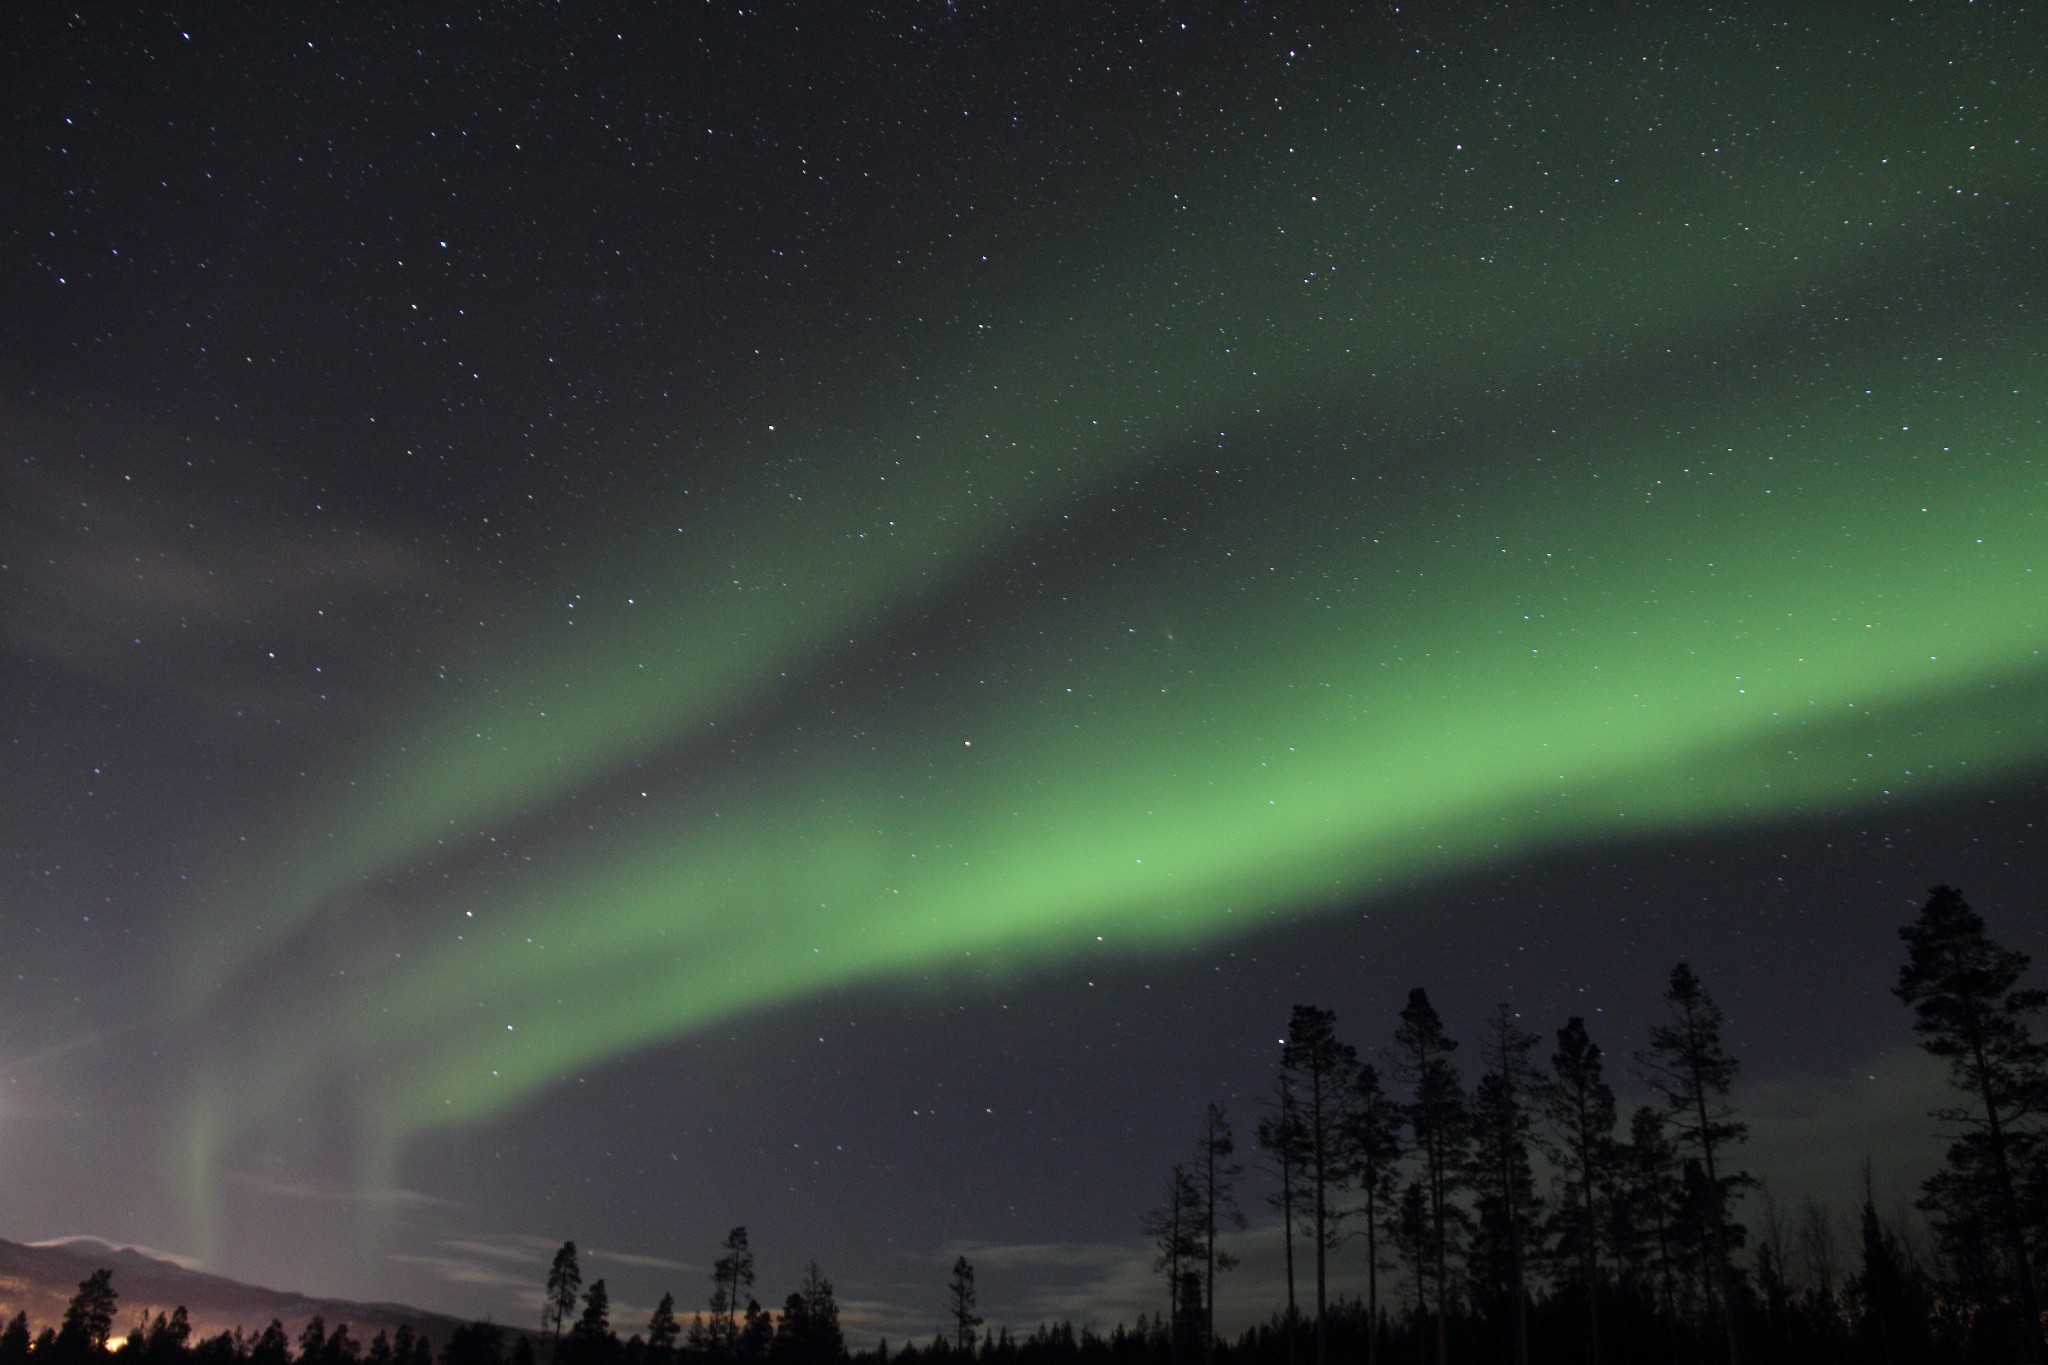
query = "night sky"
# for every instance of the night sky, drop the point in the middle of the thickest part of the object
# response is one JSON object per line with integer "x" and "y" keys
{"x": 617, "y": 620}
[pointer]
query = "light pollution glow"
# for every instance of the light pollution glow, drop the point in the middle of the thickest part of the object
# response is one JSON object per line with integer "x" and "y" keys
{"x": 1468, "y": 531}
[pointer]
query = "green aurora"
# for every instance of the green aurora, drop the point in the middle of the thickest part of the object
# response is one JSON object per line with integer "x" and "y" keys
{"x": 1435, "y": 491}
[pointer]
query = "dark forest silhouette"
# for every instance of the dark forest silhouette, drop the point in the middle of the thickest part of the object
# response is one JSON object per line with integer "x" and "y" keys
{"x": 1516, "y": 1219}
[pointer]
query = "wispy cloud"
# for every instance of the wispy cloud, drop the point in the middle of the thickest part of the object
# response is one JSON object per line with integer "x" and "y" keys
{"x": 1063, "y": 1255}
{"x": 635, "y": 1259}
{"x": 524, "y": 1250}
{"x": 85, "y": 1240}
{"x": 511, "y": 1267}
{"x": 108, "y": 573}
{"x": 399, "y": 1200}
{"x": 471, "y": 1271}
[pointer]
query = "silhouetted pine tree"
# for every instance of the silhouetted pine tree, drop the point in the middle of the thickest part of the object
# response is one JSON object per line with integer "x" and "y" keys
{"x": 1372, "y": 1145}
{"x": 89, "y": 1317}
{"x": 1215, "y": 1178}
{"x": 1691, "y": 1220}
{"x": 808, "y": 1333}
{"x": 1971, "y": 1012}
{"x": 162, "y": 1339}
{"x": 591, "y": 1341}
{"x": 1175, "y": 1227}
{"x": 273, "y": 1347}
{"x": 1687, "y": 1065}
{"x": 757, "y": 1332}
{"x": 1501, "y": 1175}
{"x": 663, "y": 1330}
{"x": 1320, "y": 1069}
{"x": 1408, "y": 1229}
{"x": 961, "y": 1298}
{"x": 1191, "y": 1324}
{"x": 1438, "y": 1119}
{"x": 342, "y": 1348}
{"x": 1284, "y": 1140}
{"x": 14, "y": 1341}
{"x": 223, "y": 1348}
{"x": 565, "y": 1280}
{"x": 732, "y": 1275}
{"x": 1647, "y": 1253}
{"x": 1579, "y": 1105}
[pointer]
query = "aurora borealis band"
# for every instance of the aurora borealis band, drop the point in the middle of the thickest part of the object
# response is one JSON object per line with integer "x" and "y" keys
{"x": 901, "y": 548}
{"x": 1302, "y": 306}
{"x": 1274, "y": 727}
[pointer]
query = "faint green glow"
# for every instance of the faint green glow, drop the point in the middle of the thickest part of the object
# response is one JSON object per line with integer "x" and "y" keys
{"x": 1419, "y": 260}
{"x": 1547, "y": 514}
{"x": 1313, "y": 732}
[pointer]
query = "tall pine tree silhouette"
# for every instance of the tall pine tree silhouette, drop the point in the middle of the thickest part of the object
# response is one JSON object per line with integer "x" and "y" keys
{"x": 961, "y": 1300}
{"x": 732, "y": 1275}
{"x": 1580, "y": 1107}
{"x": 1372, "y": 1140}
{"x": 1501, "y": 1173}
{"x": 1319, "y": 1069}
{"x": 1440, "y": 1123}
{"x": 1971, "y": 1012}
{"x": 1687, "y": 1064}
{"x": 565, "y": 1281}
{"x": 1215, "y": 1176}
{"x": 1282, "y": 1138}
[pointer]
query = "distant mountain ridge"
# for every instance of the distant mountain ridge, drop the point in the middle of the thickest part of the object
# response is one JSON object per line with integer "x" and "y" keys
{"x": 40, "y": 1280}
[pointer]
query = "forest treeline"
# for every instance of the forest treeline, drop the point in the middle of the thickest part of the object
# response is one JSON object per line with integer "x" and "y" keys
{"x": 1519, "y": 1218}
{"x": 1514, "y": 1219}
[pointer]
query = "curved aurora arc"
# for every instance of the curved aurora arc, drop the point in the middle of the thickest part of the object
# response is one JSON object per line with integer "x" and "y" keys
{"x": 1459, "y": 591}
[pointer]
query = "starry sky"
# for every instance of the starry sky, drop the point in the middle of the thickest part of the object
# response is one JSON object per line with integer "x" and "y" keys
{"x": 618, "y": 620}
